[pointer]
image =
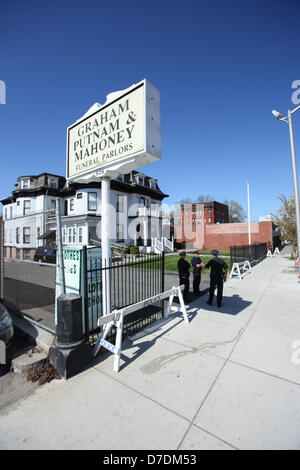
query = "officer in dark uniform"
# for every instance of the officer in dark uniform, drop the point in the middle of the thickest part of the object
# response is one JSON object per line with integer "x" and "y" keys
{"x": 218, "y": 273}
{"x": 197, "y": 266}
{"x": 184, "y": 274}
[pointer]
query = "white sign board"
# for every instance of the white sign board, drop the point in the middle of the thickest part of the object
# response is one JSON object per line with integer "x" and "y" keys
{"x": 120, "y": 135}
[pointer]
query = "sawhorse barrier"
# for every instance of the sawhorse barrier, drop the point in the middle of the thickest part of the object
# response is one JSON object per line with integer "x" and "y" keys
{"x": 116, "y": 319}
{"x": 269, "y": 254}
{"x": 239, "y": 269}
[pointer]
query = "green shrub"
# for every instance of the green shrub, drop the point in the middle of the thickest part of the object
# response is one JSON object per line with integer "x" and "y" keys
{"x": 134, "y": 250}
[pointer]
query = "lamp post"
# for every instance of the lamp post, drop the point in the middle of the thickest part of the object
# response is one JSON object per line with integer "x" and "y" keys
{"x": 288, "y": 119}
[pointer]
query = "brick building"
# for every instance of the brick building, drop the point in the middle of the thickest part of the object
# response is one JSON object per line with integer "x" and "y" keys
{"x": 200, "y": 213}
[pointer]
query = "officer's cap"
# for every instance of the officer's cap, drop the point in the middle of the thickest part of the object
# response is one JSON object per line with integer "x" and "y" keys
{"x": 214, "y": 252}
{"x": 196, "y": 252}
{"x": 182, "y": 253}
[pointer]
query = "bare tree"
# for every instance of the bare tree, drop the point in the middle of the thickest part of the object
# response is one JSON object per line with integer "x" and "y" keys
{"x": 236, "y": 211}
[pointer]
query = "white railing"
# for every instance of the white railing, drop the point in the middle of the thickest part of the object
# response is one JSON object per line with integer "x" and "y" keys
{"x": 169, "y": 243}
{"x": 158, "y": 246}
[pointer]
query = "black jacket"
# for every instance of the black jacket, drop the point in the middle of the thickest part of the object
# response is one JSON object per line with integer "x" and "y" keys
{"x": 217, "y": 267}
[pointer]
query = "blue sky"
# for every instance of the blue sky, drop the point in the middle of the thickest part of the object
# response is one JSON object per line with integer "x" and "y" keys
{"x": 221, "y": 67}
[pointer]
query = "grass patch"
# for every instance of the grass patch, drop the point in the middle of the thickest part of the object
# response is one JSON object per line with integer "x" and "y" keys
{"x": 172, "y": 260}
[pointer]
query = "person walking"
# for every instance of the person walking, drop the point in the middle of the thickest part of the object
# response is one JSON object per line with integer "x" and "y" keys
{"x": 196, "y": 263}
{"x": 218, "y": 274}
{"x": 184, "y": 274}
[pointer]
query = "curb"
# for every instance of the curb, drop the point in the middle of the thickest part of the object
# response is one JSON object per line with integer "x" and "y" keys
{"x": 39, "y": 336}
{"x": 28, "y": 362}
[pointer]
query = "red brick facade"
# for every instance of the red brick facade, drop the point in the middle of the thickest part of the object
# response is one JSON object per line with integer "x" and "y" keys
{"x": 222, "y": 236}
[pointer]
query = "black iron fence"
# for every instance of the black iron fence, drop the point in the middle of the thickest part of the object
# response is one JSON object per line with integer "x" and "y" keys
{"x": 132, "y": 278}
{"x": 253, "y": 253}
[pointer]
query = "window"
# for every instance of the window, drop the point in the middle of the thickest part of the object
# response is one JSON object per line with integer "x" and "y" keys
{"x": 18, "y": 203}
{"x": 64, "y": 235}
{"x": 5, "y": 213}
{"x": 25, "y": 183}
{"x": 152, "y": 184}
{"x": 140, "y": 180}
{"x": 17, "y": 235}
{"x": 92, "y": 201}
{"x": 71, "y": 204}
{"x": 52, "y": 183}
{"x": 120, "y": 203}
{"x": 120, "y": 177}
{"x": 74, "y": 235}
{"x": 53, "y": 206}
{"x": 209, "y": 220}
{"x": 26, "y": 254}
{"x": 38, "y": 232}
{"x": 10, "y": 212}
{"x": 80, "y": 235}
{"x": 79, "y": 196}
{"x": 26, "y": 234}
{"x": 120, "y": 232}
{"x": 69, "y": 235}
{"x": 26, "y": 207}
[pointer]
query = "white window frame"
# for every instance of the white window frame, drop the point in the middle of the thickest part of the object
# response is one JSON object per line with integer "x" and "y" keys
{"x": 92, "y": 202}
{"x": 26, "y": 210}
{"x": 26, "y": 235}
{"x": 25, "y": 183}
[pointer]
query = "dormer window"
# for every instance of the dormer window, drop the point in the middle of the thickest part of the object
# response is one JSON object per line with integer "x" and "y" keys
{"x": 140, "y": 180}
{"x": 152, "y": 184}
{"x": 25, "y": 183}
{"x": 120, "y": 177}
{"x": 52, "y": 183}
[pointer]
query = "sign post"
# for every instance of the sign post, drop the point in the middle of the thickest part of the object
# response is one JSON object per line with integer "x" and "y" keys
{"x": 105, "y": 238}
{"x": 116, "y": 137}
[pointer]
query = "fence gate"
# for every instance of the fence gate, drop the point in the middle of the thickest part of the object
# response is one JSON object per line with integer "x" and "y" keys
{"x": 133, "y": 278}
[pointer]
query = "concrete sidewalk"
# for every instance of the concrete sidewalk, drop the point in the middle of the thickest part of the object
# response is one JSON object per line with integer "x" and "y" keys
{"x": 228, "y": 380}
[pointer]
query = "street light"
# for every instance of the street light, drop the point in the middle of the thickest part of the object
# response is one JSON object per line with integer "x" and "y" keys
{"x": 288, "y": 119}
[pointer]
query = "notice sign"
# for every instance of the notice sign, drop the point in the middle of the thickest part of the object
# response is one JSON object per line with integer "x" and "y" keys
{"x": 120, "y": 129}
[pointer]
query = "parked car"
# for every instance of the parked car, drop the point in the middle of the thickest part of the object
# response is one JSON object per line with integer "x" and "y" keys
{"x": 6, "y": 334}
{"x": 46, "y": 253}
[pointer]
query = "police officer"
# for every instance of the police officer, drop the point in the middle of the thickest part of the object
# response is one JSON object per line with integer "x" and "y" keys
{"x": 184, "y": 274}
{"x": 197, "y": 266}
{"x": 218, "y": 273}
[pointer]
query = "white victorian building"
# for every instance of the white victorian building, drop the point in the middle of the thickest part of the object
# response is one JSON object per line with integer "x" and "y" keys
{"x": 29, "y": 214}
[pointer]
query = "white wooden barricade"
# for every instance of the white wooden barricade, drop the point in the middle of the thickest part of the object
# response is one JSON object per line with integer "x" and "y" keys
{"x": 276, "y": 251}
{"x": 116, "y": 319}
{"x": 239, "y": 269}
{"x": 269, "y": 254}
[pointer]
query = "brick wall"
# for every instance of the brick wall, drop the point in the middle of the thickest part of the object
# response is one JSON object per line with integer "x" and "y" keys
{"x": 222, "y": 236}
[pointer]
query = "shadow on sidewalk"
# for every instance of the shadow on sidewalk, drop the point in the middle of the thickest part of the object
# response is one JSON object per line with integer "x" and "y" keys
{"x": 231, "y": 305}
